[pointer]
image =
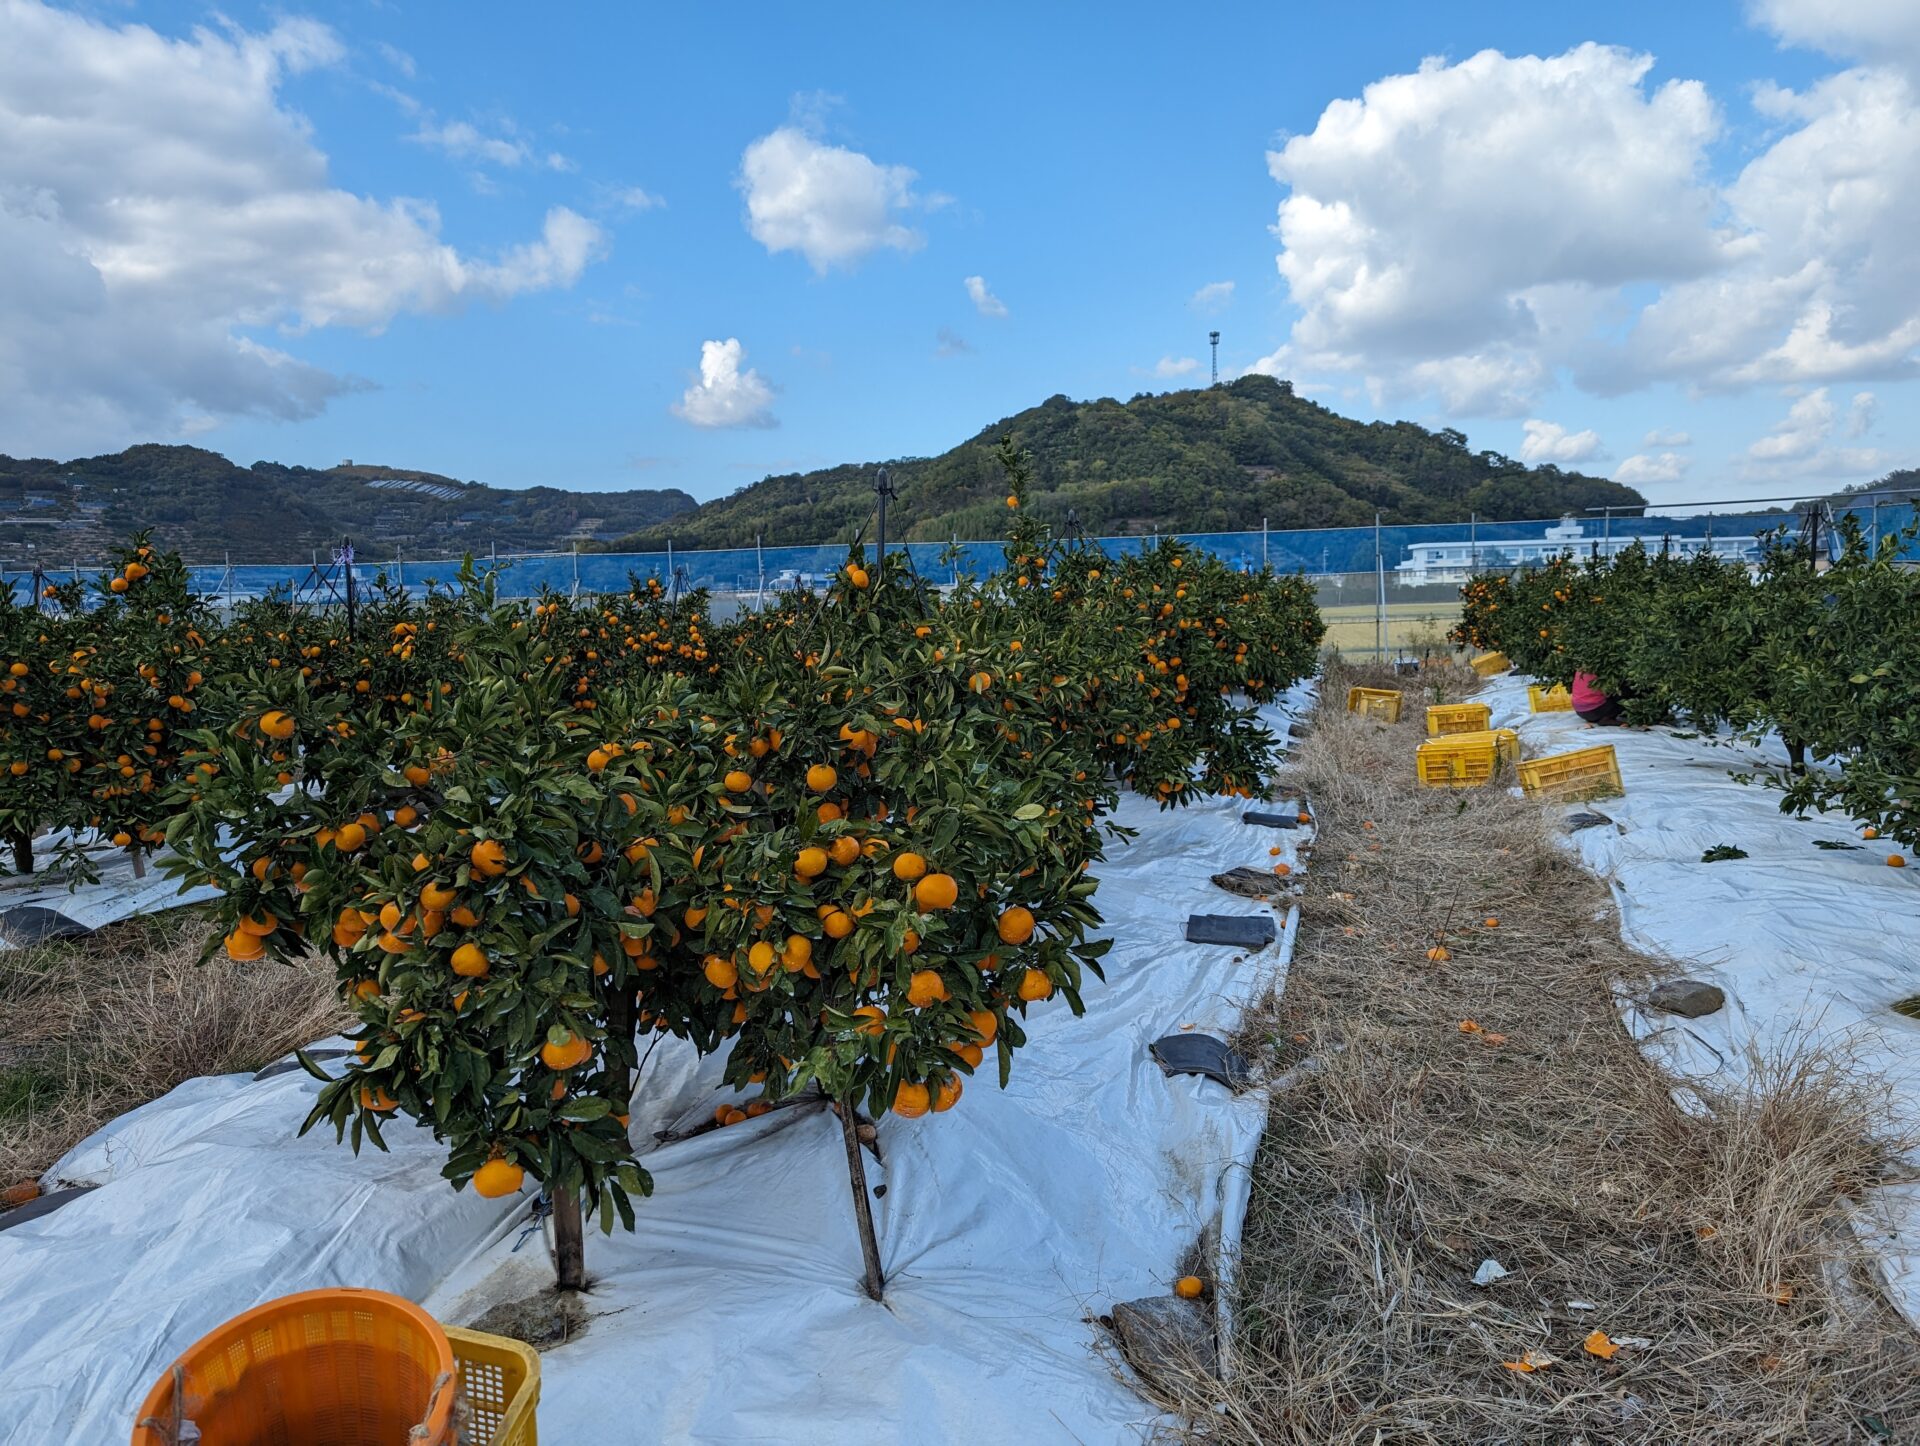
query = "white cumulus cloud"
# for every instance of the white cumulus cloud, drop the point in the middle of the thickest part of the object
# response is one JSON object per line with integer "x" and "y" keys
{"x": 1645, "y": 467}
{"x": 1862, "y": 413}
{"x": 1473, "y": 231}
{"x": 1458, "y": 229}
{"x": 832, "y": 205}
{"x": 467, "y": 142}
{"x": 724, "y": 395}
{"x": 1853, "y": 29}
{"x": 1800, "y": 445}
{"x": 1176, "y": 366}
{"x": 984, "y": 301}
{"x": 1551, "y": 442}
{"x": 162, "y": 212}
{"x": 1214, "y": 296}
{"x": 1667, "y": 437}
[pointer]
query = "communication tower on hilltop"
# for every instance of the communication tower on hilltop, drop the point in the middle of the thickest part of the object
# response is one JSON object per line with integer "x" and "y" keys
{"x": 1213, "y": 339}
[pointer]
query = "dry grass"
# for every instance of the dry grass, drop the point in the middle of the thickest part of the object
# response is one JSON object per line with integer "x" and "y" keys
{"x": 90, "y": 1028}
{"x": 1421, "y": 1150}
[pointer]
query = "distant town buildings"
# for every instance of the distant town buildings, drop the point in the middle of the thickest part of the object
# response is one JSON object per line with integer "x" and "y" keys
{"x": 1454, "y": 562}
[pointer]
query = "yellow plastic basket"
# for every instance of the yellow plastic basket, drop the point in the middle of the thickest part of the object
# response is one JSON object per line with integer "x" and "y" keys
{"x": 1487, "y": 664}
{"x": 1584, "y": 773}
{"x": 1381, "y": 703}
{"x": 1466, "y": 760}
{"x": 1542, "y": 699}
{"x": 1443, "y": 718}
{"x": 500, "y": 1380}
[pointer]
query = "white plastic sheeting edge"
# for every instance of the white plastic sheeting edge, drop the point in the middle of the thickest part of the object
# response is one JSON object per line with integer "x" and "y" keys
{"x": 1007, "y": 1226}
{"x": 1808, "y": 943}
{"x": 114, "y": 896}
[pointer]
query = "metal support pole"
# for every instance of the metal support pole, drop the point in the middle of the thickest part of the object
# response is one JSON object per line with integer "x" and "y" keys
{"x": 576, "y": 567}
{"x": 882, "y": 490}
{"x": 346, "y": 562}
{"x": 673, "y": 582}
{"x": 1266, "y": 558}
{"x": 228, "y": 579}
{"x": 1875, "y": 534}
{"x": 1607, "y": 528}
{"x": 1380, "y": 591}
{"x": 760, "y": 571}
{"x": 1473, "y": 542}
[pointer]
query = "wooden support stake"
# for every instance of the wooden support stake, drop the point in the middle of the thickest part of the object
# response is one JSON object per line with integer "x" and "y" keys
{"x": 875, "y": 1283}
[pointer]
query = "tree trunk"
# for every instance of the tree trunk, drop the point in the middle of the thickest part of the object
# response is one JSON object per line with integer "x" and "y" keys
{"x": 1796, "y": 755}
{"x": 22, "y": 842}
{"x": 139, "y": 862}
{"x": 569, "y": 1245}
{"x": 874, "y": 1283}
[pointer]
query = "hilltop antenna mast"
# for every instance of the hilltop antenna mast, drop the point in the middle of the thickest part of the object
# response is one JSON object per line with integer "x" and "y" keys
{"x": 1213, "y": 339}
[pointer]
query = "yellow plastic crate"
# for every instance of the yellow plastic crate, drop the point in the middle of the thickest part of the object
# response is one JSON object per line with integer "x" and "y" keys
{"x": 500, "y": 1379}
{"x": 1445, "y": 718}
{"x": 1584, "y": 773}
{"x": 1466, "y": 760}
{"x": 1542, "y": 699}
{"x": 1381, "y": 703}
{"x": 1487, "y": 664}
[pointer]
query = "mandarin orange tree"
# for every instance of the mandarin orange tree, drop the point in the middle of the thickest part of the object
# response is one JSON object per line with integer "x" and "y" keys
{"x": 1814, "y": 648}
{"x": 895, "y": 863}
{"x": 37, "y": 736}
{"x": 97, "y": 697}
{"x": 1180, "y": 643}
{"x": 493, "y": 880}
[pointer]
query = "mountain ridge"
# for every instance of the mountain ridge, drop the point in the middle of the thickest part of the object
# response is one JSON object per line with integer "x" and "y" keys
{"x": 1217, "y": 459}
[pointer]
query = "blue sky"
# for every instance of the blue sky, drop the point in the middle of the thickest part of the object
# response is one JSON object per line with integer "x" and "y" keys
{"x": 494, "y": 242}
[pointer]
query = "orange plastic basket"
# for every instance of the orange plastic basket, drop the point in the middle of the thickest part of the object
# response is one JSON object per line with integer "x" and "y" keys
{"x": 321, "y": 1368}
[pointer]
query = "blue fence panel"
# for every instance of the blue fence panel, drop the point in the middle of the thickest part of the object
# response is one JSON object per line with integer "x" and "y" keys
{"x": 1410, "y": 555}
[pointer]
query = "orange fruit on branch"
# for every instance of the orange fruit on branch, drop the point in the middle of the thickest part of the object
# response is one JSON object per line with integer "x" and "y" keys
{"x": 936, "y": 891}
{"x": 926, "y": 987}
{"x": 565, "y": 1056}
{"x": 470, "y": 961}
{"x": 1035, "y": 985}
{"x": 1015, "y": 925}
{"x": 498, "y": 1177}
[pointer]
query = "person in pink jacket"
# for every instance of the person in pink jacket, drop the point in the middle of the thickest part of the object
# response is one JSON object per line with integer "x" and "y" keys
{"x": 1593, "y": 706}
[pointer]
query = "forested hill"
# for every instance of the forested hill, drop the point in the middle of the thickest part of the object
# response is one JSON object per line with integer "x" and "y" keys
{"x": 206, "y": 507}
{"x": 1217, "y": 459}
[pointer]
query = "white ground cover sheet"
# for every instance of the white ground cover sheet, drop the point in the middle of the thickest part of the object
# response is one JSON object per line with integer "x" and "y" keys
{"x": 735, "y": 1312}
{"x": 116, "y": 895}
{"x": 1807, "y": 942}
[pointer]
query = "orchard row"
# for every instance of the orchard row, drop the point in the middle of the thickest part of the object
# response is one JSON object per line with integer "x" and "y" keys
{"x": 845, "y": 841}
{"x": 1828, "y": 656}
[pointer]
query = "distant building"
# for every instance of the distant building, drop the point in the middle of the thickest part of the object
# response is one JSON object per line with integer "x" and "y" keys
{"x": 1453, "y": 562}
